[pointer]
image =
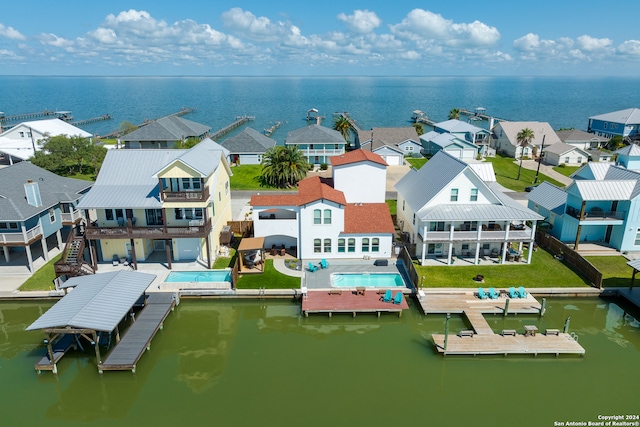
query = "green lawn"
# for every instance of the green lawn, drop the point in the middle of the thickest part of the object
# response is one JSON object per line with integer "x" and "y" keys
{"x": 544, "y": 271}
{"x": 392, "y": 206}
{"x": 270, "y": 279}
{"x": 566, "y": 170}
{"x": 614, "y": 269}
{"x": 506, "y": 170}
{"x": 42, "y": 280}
{"x": 416, "y": 162}
{"x": 247, "y": 177}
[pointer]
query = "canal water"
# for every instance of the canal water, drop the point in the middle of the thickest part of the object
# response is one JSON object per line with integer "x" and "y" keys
{"x": 255, "y": 363}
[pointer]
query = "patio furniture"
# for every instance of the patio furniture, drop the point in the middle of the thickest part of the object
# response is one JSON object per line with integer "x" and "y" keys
{"x": 481, "y": 293}
{"x": 360, "y": 290}
{"x": 555, "y": 332}
{"x": 312, "y": 267}
{"x": 530, "y": 330}
{"x": 398, "y": 298}
{"x": 513, "y": 293}
{"x": 381, "y": 263}
{"x": 133, "y": 221}
{"x": 335, "y": 292}
{"x": 506, "y": 332}
{"x": 324, "y": 263}
{"x": 121, "y": 222}
{"x": 493, "y": 294}
{"x": 466, "y": 333}
{"x": 274, "y": 251}
{"x": 115, "y": 260}
{"x": 283, "y": 251}
{"x": 521, "y": 292}
{"x": 387, "y": 296}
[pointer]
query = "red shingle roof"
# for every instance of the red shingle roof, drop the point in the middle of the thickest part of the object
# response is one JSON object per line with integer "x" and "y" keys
{"x": 309, "y": 190}
{"x": 367, "y": 218}
{"x": 356, "y": 156}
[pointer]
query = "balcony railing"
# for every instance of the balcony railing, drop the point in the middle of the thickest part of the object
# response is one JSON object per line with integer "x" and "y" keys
{"x": 472, "y": 236}
{"x": 186, "y": 196}
{"x": 322, "y": 152}
{"x": 595, "y": 214}
{"x": 71, "y": 218}
{"x": 28, "y": 237}
{"x": 195, "y": 229}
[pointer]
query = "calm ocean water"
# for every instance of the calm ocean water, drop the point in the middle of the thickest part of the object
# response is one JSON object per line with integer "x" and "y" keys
{"x": 371, "y": 101}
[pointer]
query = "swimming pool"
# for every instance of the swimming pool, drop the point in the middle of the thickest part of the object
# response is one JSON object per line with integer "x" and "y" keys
{"x": 368, "y": 280}
{"x": 199, "y": 276}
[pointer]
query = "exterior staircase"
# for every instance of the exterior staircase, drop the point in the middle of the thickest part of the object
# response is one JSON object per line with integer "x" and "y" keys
{"x": 72, "y": 263}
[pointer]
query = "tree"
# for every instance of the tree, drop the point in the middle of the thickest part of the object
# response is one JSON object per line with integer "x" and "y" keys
{"x": 69, "y": 155}
{"x": 454, "y": 114}
{"x": 615, "y": 143}
{"x": 127, "y": 127}
{"x": 342, "y": 125}
{"x": 419, "y": 128}
{"x": 284, "y": 166}
{"x": 524, "y": 138}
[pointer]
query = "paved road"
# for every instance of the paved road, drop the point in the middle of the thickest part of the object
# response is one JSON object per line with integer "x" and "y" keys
{"x": 547, "y": 170}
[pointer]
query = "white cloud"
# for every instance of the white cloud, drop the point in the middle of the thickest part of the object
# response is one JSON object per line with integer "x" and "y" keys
{"x": 362, "y": 21}
{"x": 262, "y": 29}
{"x": 10, "y": 33}
{"x": 590, "y": 44}
{"x": 53, "y": 40}
{"x": 630, "y": 47}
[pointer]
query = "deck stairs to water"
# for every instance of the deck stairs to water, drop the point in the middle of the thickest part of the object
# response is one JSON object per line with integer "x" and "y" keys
{"x": 72, "y": 263}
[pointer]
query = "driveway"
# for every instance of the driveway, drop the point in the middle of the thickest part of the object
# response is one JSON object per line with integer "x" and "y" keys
{"x": 547, "y": 170}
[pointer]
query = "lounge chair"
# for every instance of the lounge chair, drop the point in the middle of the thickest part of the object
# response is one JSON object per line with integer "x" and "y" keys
{"x": 115, "y": 260}
{"x": 121, "y": 222}
{"x": 387, "y": 296}
{"x": 481, "y": 293}
{"x": 324, "y": 263}
{"x": 312, "y": 268}
{"x": 513, "y": 293}
{"x": 493, "y": 294}
{"x": 398, "y": 298}
{"x": 521, "y": 292}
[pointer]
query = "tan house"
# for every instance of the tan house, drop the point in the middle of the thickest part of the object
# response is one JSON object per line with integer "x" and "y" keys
{"x": 505, "y": 138}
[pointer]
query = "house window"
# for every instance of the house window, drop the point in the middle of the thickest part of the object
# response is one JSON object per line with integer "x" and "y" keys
{"x": 454, "y": 194}
{"x": 178, "y": 213}
{"x": 567, "y": 159}
{"x": 474, "y": 195}
{"x": 579, "y": 160}
{"x": 195, "y": 182}
{"x": 3, "y": 225}
{"x": 317, "y": 216}
{"x": 21, "y": 134}
{"x": 340, "y": 245}
{"x": 351, "y": 245}
{"x": 226, "y": 188}
{"x": 403, "y": 205}
{"x": 119, "y": 213}
{"x": 327, "y": 216}
{"x": 465, "y": 246}
{"x": 486, "y": 246}
{"x": 52, "y": 216}
{"x": 197, "y": 212}
{"x": 605, "y": 125}
{"x": 414, "y": 219}
{"x": 317, "y": 246}
{"x": 108, "y": 214}
{"x": 186, "y": 183}
{"x": 365, "y": 245}
{"x": 436, "y": 226}
{"x": 409, "y": 148}
{"x": 637, "y": 241}
{"x": 327, "y": 245}
{"x": 375, "y": 244}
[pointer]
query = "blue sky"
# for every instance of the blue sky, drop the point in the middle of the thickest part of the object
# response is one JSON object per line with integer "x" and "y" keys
{"x": 481, "y": 37}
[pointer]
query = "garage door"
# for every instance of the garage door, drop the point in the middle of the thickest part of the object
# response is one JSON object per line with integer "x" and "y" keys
{"x": 188, "y": 249}
{"x": 468, "y": 154}
{"x": 455, "y": 152}
{"x": 392, "y": 160}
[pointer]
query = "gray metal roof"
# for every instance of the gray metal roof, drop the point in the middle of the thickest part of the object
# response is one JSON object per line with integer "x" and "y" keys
{"x": 248, "y": 141}
{"x": 484, "y": 170}
{"x": 549, "y": 197}
{"x": 628, "y": 116}
{"x": 561, "y": 148}
{"x": 445, "y": 139}
{"x": 604, "y": 190}
{"x": 54, "y": 189}
{"x": 389, "y": 137}
{"x": 597, "y": 169}
{"x": 171, "y": 128}
{"x": 98, "y": 302}
{"x": 314, "y": 134}
{"x": 629, "y": 150}
{"x": 634, "y": 263}
{"x": 576, "y": 135}
{"x": 478, "y": 212}
{"x": 457, "y": 126}
{"x": 204, "y": 157}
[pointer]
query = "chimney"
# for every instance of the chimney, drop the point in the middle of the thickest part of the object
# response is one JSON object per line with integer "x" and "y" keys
{"x": 32, "y": 192}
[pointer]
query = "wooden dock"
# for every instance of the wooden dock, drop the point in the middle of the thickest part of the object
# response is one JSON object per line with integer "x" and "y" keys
{"x": 63, "y": 115}
{"x": 92, "y": 120}
{"x": 350, "y": 301}
{"x": 483, "y": 340}
{"x": 239, "y": 121}
{"x": 59, "y": 349}
{"x": 137, "y": 340}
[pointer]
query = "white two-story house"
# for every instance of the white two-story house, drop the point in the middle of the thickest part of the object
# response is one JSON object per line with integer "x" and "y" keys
{"x": 342, "y": 217}
{"x": 448, "y": 210}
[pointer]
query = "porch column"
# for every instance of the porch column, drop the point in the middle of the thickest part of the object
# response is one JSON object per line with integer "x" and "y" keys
{"x": 133, "y": 254}
{"x": 450, "y": 243}
{"x": 477, "y": 257}
{"x": 478, "y": 242}
{"x": 424, "y": 245}
{"x": 506, "y": 242}
{"x": 59, "y": 238}
{"x": 97, "y": 347}
{"x": 167, "y": 248}
{"x": 582, "y": 209}
{"x": 532, "y": 241}
{"x": 27, "y": 249}
{"x": 45, "y": 250}
{"x": 208, "y": 246}
{"x": 5, "y": 249}
{"x": 94, "y": 254}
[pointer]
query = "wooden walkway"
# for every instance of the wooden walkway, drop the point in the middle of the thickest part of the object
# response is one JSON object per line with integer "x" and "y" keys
{"x": 138, "y": 338}
{"x": 483, "y": 340}
{"x": 349, "y": 301}
{"x": 59, "y": 349}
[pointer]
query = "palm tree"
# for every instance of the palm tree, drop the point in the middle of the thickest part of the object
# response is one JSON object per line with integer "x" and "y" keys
{"x": 454, "y": 114}
{"x": 524, "y": 138}
{"x": 342, "y": 125}
{"x": 284, "y": 166}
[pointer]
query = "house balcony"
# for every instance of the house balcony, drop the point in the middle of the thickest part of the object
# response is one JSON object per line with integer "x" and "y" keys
{"x": 185, "y": 196}
{"x": 72, "y": 217}
{"x": 515, "y": 235}
{"x": 599, "y": 215}
{"x": 322, "y": 152}
{"x": 21, "y": 238}
{"x": 195, "y": 228}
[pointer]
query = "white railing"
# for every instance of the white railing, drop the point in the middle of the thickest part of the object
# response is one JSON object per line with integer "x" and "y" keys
{"x": 472, "y": 236}
{"x": 71, "y": 217}
{"x": 20, "y": 237}
{"x": 322, "y": 152}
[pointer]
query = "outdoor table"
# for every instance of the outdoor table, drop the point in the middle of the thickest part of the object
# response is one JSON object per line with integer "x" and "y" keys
{"x": 360, "y": 290}
{"x": 530, "y": 330}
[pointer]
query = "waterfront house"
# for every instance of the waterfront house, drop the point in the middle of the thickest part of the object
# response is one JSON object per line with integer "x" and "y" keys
{"x": 446, "y": 209}
{"x": 36, "y": 207}
{"x": 23, "y": 140}
{"x": 433, "y": 142}
{"x": 392, "y": 144}
{"x": 581, "y": 139}
{"x": 629, "y": 156}
{"x": 342, "y": 217}
{"x": 601, "y": 156}
{"x": 564, "y": 154}
{"x": 247, "y": 147}
{"x": 625, "y": 123}
{"x": 601, "y": 206}
{"x": 317, "y": 143}
{"x": 165, "y": 132}
{"x": 505, "y": 138}
{"x": 174, "y": 202}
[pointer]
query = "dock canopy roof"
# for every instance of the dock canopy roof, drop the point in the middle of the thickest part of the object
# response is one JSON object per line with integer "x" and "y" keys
{"x": 98, "y": 302}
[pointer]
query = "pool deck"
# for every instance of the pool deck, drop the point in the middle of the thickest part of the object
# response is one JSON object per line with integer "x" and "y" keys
{"x": 321, "y": 278}
{"x": 351, "y": 301}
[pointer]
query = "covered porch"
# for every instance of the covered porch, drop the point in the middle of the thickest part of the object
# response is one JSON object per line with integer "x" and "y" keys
{"x": 251, "y": 255}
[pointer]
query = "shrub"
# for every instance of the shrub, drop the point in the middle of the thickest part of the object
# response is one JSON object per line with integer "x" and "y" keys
{"x": 323, "y": 166}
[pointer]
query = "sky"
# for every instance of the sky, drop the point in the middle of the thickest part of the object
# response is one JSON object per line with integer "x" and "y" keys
{"x": 329, "y": 37}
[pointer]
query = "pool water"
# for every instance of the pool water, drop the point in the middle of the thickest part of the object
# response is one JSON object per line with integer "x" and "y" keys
{"x": 199, "y": 276}
{"x": 371, "y": 280}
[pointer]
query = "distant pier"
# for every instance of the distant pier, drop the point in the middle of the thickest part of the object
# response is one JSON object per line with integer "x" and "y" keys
{"x": 239, "y": 121}
{"x": 62, "y": 115}
{"x": 272, "y": 129}
{"x": 352, "y": 122}
{"x": 480, "y": 114}
{"x": 92, "y": 120}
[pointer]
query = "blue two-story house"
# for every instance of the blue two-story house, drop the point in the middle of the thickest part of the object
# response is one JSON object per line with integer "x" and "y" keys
{"x": 35, "y": 208}
{"x": 623, "y": 123}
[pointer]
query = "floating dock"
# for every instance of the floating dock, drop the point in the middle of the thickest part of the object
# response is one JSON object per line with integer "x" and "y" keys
{"x": 127, "y": 353}
{"x": 351, "y": 301}
{"x": 482, "y": 339}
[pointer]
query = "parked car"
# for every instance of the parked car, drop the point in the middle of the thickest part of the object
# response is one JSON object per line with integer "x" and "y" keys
{"x": 530, "y": 188}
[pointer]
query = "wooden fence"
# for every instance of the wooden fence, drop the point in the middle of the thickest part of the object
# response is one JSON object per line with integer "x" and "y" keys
{"x": 244, "y": 228}
{"x": 576, "y": 261}
{"x": 411, "y": 269}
